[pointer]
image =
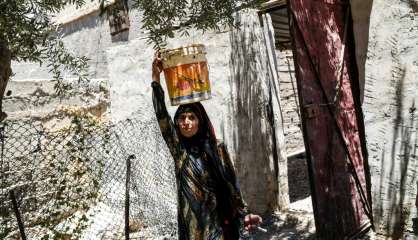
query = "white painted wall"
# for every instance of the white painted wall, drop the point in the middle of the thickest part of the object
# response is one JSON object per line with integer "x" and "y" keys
{"x": 391, "y": 91}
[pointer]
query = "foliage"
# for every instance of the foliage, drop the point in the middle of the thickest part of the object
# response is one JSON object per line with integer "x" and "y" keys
{"x": 27, "y": 29}
{"x": 163, "y": 18}
{"x": 75, "y": 180}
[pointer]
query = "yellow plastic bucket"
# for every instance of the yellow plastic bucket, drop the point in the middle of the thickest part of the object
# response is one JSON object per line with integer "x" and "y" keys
{"x": 186, "y": 74}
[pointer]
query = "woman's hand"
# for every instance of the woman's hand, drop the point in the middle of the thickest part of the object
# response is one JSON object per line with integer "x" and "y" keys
{"x": 251, "y": 222}
{"x": 157, "y": 67}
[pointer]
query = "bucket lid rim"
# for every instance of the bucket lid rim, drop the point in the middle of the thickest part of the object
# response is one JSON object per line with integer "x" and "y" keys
{"x": 186, "y": 46}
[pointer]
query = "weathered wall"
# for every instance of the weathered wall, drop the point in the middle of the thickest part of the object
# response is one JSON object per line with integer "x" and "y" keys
{"x": 85, "y": 33}
{"x": 257, "y": 125}
{"x": 38, "y": 100}
{"x": 238, "y": 109}
{"x": 32, "y": 88}
{"x": 391, "y": 91}
{"x": 274, "y": 113}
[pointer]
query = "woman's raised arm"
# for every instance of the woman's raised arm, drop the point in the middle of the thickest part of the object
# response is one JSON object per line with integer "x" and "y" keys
{"x": 165, "y": 122}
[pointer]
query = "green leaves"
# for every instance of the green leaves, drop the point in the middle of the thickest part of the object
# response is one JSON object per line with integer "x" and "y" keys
{"x": 74, "y": 181}
{"x": 61, "y": 61}
{"x": 163, "y": 18}
{"x": 26, "y": 27}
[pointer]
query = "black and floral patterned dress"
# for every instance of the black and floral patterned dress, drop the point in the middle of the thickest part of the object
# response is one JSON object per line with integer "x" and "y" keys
{"x": 210, "y": 205}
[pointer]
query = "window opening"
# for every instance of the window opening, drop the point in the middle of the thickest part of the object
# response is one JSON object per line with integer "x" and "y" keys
{"x": 118, "y": 18}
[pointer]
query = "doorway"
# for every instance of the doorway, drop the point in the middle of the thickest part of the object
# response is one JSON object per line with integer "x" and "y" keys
{"x": 298, "y": 178}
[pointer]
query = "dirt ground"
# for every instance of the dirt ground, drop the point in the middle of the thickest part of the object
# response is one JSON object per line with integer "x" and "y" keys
{"x": 298, "y": 221}
{"x": 292, "y": 224}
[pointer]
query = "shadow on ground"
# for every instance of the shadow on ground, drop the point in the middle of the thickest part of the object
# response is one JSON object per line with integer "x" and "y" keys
{"x": 287, "y": 226}
{"x": 298, "y": 178}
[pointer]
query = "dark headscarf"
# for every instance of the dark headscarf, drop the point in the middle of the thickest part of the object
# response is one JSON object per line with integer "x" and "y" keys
{"x": 205, "y": 136}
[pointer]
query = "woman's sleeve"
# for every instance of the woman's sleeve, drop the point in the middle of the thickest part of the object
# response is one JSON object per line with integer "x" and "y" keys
{"x": 240, "y": 206}
{"x": 165, "y": 122}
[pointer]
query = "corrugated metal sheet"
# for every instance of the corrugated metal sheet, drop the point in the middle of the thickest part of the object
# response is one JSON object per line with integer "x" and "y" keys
{"x": 280, "y": 20}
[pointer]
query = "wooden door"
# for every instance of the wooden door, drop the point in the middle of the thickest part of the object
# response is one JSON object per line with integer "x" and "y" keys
{"x": 331, "y": 116}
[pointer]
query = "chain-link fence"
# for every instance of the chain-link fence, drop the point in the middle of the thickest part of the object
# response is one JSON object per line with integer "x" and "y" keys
{"x": 74, "y": 183}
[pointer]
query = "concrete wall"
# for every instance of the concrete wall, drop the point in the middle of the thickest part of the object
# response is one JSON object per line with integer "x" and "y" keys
{"x": 390, "y": 100}
{"x": 257, "y": 133}
{"x": 121, "y": 66}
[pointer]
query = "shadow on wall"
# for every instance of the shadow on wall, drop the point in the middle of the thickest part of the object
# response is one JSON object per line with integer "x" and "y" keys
{"x": 361, "y": 11}
{"x": 398, "y": 170}
{"x": 121, "y": 37}
{"x": 252, "y": 136}
{"x": 298, "y": 177}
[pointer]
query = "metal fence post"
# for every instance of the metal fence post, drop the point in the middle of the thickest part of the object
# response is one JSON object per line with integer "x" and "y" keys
{"x": 17, "y": 214}
{"x": 2, "y": 167}
{"x": 127, "y": 188}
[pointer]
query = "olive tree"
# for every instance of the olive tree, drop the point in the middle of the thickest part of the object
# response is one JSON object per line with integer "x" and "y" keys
{"x": 27, "y": 33}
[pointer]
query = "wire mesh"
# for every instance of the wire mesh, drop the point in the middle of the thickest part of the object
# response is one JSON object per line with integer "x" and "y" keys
{"x": 70, "y": 183}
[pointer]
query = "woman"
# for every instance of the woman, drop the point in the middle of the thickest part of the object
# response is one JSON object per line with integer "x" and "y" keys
{"x": 210, "y": 205}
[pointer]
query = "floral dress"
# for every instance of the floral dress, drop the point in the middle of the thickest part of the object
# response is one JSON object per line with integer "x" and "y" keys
{"x": 199, "y": 214}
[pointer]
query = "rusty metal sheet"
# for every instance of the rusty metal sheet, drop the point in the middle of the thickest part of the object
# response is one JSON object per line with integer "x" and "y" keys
{"x": 326, "y": 76}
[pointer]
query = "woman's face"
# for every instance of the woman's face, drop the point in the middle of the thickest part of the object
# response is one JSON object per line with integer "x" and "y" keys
{"x": 188, "y": 124}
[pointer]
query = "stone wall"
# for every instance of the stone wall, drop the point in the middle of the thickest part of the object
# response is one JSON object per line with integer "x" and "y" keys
{"x": 290, "y": 102}
{"x": 39, "y": 101}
